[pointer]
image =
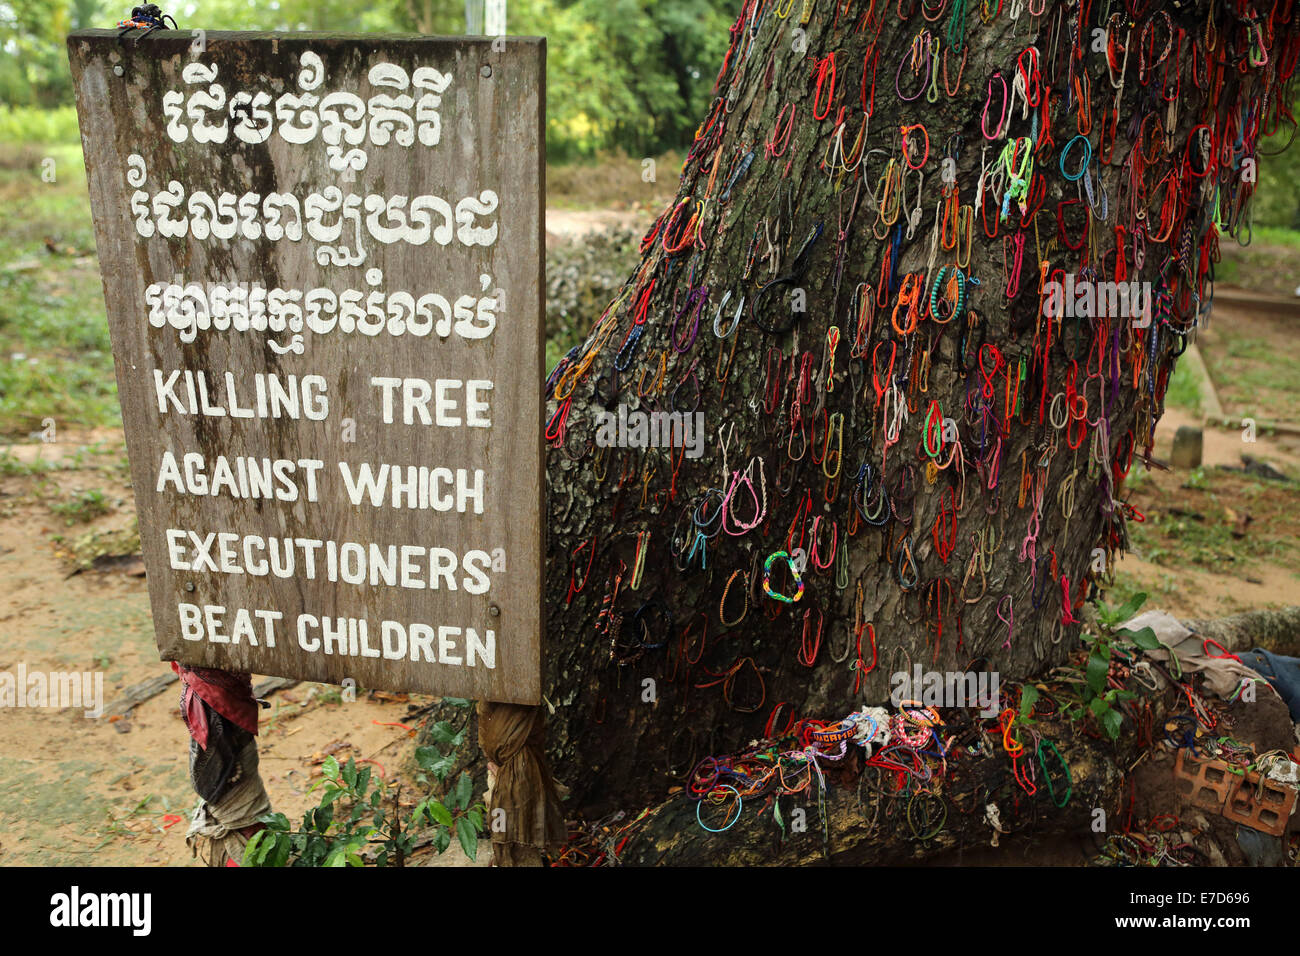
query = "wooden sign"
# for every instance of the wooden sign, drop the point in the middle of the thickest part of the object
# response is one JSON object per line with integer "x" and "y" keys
{"x": 323, "y": 264}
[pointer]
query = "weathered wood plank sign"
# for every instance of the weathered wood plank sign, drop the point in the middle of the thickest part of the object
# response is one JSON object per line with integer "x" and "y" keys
{"x": 322, "y": 260}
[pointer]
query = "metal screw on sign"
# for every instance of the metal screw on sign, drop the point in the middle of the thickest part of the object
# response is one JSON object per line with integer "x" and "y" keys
{"x": 486, "y": 70}
{"x": 494, "y": 610}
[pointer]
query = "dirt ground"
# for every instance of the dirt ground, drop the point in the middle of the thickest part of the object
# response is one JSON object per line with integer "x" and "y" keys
{"x": 78, "y": 791}
{"x": 1250, "y": 355}
{"x": 1226, "y": 574}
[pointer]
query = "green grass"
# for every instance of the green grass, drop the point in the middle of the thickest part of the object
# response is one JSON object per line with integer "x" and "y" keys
{"x": 1277, "y": 236}
{"x": 28, "y": 124}
{"x": 82, "y": 507}
{"x": 11, "y": 467}
{"x": 1254, "y": 378}
{"x": 1184, "y": 389}
{"x": 1205, "y": 538}
{"x": 55, "y": 358}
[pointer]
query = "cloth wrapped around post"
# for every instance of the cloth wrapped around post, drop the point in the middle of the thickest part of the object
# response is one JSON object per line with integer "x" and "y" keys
{"x": 221, "y": 714}
{"x": 524, "y": 813}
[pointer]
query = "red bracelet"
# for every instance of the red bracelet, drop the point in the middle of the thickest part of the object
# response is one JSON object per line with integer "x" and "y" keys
{"x": 904, "y": 130}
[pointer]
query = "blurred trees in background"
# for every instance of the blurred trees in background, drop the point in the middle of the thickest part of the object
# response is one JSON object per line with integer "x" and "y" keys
{"x": 1277, "y": 202}
{"x": 33, "y": 60}
{"x": 625, "y": 75}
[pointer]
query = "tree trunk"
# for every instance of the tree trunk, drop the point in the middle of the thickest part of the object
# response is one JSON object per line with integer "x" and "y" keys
{"x": 1036, "y": 505}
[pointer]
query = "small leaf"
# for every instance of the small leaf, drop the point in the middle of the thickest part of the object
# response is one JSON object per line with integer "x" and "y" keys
{"x": 283, "y": 844}
{"x": 1144, "y": 638}
{"x": 330, "y": 768}
{"x": 350, "y": 773}
{"x": 1130, "y": 607}
{"x": 464, "y": 790}
{"x": 1028, "y": 696}
{"x": 442, "y": 733}
{"x": 439, "y": 813}
{"x": 1098, "y": 670}
{"x": 254, "y": 852}
{"x": 433, "y": 761}
{"x": 468, "y": 837}
{"x": 275, "y": 821}
{"x": 1111, "y": 722}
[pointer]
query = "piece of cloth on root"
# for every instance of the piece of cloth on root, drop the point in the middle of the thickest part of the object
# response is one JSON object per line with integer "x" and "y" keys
{"x": 1222, "y": 675}
{"x": 215, "y": 834}
{"x": 229, "y": 694}
{"x": 513, "y": 737}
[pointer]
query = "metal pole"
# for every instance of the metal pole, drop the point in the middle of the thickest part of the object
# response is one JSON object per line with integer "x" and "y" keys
{"x": 494, "y": 16}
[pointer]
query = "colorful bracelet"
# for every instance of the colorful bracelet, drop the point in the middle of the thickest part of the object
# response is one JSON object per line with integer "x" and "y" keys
{"x": 794, "y": 573}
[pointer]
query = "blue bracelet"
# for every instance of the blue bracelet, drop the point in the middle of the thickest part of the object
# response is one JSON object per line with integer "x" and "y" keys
{"x": 1087, "y": 157}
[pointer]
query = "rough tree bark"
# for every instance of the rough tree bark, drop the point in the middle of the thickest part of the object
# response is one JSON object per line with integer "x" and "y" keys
{"x": 1050, "y": 505}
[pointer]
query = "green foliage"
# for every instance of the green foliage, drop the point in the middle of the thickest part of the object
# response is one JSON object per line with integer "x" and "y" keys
{"x": 635, "y": 75}
{"x": 1098, "y": 700}
{"x": 357, "y": 813}
{"x": 342, "y": 16}
{"x": 34, "y": 69}
{"x": 1276, "y": 202}
{"x": 582, "y": 278}
{"x": 32, "y": 125}
{"x": 83, "y": 506}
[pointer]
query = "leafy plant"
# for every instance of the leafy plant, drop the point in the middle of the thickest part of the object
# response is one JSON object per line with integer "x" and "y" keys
{"x": 1097, "y": 699}
{"x": 82, "y": 507}
{"x": 359, "y": 814}
{"x": 1028, "y": 697}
